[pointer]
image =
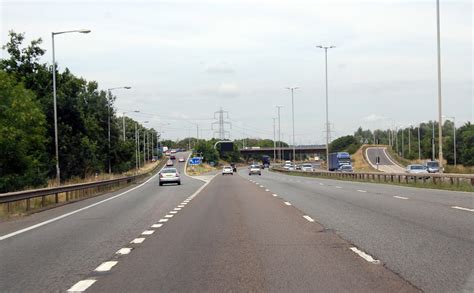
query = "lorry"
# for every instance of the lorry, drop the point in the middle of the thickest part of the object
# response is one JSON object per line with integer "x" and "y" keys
{"x": 336, "y": 160}
{"x": 266, "y": 161}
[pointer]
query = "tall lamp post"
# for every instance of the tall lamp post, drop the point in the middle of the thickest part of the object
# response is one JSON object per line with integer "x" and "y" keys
{"x": 56, "y": 144}
{"x": 327, "y": 102}
{"x": 274, "y": 141}
{"x": 279, "y": 132}
{"x": 292, "y": 89}
{"x": 108, "y": 120}
{"x": 123, "y": 120}
{"x": 440, "y": 108}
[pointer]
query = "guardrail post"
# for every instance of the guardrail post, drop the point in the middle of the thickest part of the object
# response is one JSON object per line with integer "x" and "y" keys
{"x": 27, "y": 204}
{"x": 472, "y": 181}
{"x": 56, "y": 198}
{"x": 43, "y": 201}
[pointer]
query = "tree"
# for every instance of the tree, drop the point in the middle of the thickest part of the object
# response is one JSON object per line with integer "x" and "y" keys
{"x": 466, "y": 144}
{"x": 346, "y": 143}
{"x": 22, "y": 137}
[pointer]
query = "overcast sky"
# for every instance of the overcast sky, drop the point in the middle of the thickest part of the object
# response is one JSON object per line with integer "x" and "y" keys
{"x": 186, "y": 59}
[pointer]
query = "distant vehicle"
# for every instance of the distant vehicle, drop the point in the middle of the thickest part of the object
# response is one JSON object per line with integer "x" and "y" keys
{"x": 181, "y": 160}
{"x": 173, "y": 151}
{"x": 169, "y": 163}
{"x": 169, "y": 175}
{"x": 345, "y": 169}
{"x": 306, "y": 167}
{"x": 432, "y": 166}
{"x": 416, "y": 169}
{"x": 292, "y": 167}
{"x": 336, "y": 160}
{"x": 234, "y": 168}
{"x": 172, "y": 157}
{"x": 266, "y": 161}
{"x": 227, "y": 170}
{"x": 255, "y": 170}
{"x": 298, "y": 167}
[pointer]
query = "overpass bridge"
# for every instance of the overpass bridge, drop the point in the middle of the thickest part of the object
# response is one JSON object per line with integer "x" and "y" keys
{"x": 287, "y": 152}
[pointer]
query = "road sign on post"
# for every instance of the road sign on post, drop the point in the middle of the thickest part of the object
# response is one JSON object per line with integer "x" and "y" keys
{"x": 195, "y": 161}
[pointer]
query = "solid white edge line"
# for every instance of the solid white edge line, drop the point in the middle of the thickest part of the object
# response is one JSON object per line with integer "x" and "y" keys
{"x": 365, "y": 255}
{"x": 400, "y": 197}
{"x": 81, "y": 286}
{"x": 124, "y": 251}
{"x": 308, "y": 218}
{"x": 463, "y": 209}
{"x": 137, "y": 240}
{"x": 106, "y": 266}
{"x": 73, "y": 212}
{"x": 148, "y": 232}
{"x": 287, "y": 203}
{"x": 157, "y": 225}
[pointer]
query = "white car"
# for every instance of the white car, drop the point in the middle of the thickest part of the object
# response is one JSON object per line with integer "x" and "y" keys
{"x": 307, "y": 167}
{"x": 416, "y": 169}
{"x": 169, "y": 163}
{"x": 181, "y": 160}
{"x": 227, "y": 170}
{"x": 169, "y": 175}
{"x": 255, "y": 170}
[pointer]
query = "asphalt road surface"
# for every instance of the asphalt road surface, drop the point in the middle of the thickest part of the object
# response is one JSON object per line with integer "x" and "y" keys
{"x": 54, "y": 256}
{"x": 240, "y": 233}
{"x": 235, "y": 236}
{"x": 426, "y": 236}
{"x": 387, "y": 164}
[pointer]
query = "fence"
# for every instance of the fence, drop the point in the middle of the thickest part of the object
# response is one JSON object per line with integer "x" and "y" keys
{"x": 435, "y": 179}
{"x": 40, "y": 198}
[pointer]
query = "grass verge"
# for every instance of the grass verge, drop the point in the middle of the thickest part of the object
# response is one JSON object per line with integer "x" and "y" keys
{"x": 462, "y": 186}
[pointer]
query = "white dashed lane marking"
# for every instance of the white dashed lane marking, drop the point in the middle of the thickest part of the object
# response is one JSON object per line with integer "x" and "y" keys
{"x": 338, "y": 187}
{"x": 163, "y": 220}
{"x": 308, "y": 218}
{"x": 400, "y": 197}
{"x": 81, "y": 286}
{"x": 156, "y": 225}
{"x": 106, "y": 266}
{"x": 275, "y": 195}
{"x": 463, "y": 209}
{"x": 148, "y": 232}
{"x": 173, "y": 212}
{"x": 177, "y": 209}
{"x": 169, "y": 216}
{"x": 365, "y": 255}
{"x": 137, "y": 240}
{"x": 287, "y": 203}
{"x": 359, "y": 190}
{"x": 267, "y": 190}
{"x": 321, "y": 184}
{"x": 181, "y": 206}
{"x": 124, "y": 251}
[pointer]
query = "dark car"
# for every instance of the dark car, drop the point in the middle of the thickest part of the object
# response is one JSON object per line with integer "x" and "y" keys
{"x": 172, "y": 157}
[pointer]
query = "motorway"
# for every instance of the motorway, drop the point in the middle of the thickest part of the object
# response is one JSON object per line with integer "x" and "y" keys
{"x": 386, "y": 164}
{"x": 273, "y": 232}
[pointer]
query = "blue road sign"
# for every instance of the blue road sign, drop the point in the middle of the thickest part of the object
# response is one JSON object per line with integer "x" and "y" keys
{"x": 195, "y": 161}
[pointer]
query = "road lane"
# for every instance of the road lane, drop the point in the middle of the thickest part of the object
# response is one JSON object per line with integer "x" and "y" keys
{"x": 235, "y": 236}
{"x": 387, "y": 164}
{"x": 54, "y": 256}
{"x": 421, "y": 238}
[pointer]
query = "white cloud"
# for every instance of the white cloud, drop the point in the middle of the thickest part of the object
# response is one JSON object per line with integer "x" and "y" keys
{"x": 374, "y": 118}
{"x": 220, "y": 68}
{"x": 224, "y": 90}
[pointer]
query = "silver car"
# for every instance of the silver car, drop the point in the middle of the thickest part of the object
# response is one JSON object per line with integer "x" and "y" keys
{"x": 255, "y": 170}
{"x": 307, "y": 167}
{"x": 416, "y": 169}
{"x": 169, "y": 175}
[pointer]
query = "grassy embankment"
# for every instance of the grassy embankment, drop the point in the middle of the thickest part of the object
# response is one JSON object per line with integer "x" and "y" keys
{"x": 197, "y": 170}
{"x": 19, "y": 208}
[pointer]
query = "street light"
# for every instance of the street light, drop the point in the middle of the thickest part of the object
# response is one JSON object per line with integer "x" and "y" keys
{"x": 327, "y": 101}
{"x": 292, "y": 89}
{"x": 274, "y": 141}
{"x": 454, "y": 135}
{"x": 279, "y": 132}
{"x": 440, "y": 122}
{"x": 56, "y": 144}
{"x": 108, "y": 119}
{"x": 123, "y": 120}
